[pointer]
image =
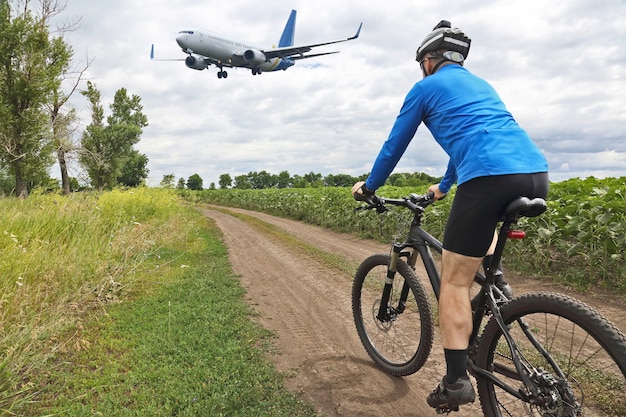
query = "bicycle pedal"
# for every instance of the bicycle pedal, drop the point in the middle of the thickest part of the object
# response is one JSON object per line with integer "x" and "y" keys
{"x": 447, "y": 409}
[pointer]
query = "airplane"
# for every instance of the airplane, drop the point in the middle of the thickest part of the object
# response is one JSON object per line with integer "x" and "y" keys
{"x": 205, "y": 48}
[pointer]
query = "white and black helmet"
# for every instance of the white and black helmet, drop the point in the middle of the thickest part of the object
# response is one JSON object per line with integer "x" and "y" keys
{"x": 444, "y": 37}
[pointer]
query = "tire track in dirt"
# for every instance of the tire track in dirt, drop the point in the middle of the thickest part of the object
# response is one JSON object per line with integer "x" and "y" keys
{"x": 308, "y": 306}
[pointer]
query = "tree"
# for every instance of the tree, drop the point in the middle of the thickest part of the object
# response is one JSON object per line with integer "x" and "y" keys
{"x": 284, "y": 180}
{"x": 107, "y": 148}
{"x": 194, "y": 182}
{"x": 225, "y": 181}
{"x": 339, "y": 180}
{"x": 31, "y": 63}
{"x": 168, "y": 181}
{"x": 74, "y": 185}
{"x": 7, "y": 183}
{"x": 181, "y": 184}
{"x": 134, "y": 171}
{"x": 261, "y": 180}
{"x": 315, "y": 180}
{"x": 62, "y": 120}
{"x": 62, "y": 137}
{"x": 242, "y": 182}
{"x": 300, "y": 182}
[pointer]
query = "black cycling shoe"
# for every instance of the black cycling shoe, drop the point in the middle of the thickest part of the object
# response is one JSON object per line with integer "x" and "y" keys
{"x": 448, "y": 397}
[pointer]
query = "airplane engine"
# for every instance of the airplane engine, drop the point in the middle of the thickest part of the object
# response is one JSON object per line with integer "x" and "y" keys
{"x": 254, "y": 57}
{"x": 196, "y": 62}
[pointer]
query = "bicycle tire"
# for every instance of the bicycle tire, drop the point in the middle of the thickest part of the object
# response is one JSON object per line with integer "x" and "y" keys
{"x": 590, "y": 351}
{"x": 399, "y": 347}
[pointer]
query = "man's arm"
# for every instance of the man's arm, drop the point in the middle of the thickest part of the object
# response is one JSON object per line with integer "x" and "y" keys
{"x": 449, "y": 178}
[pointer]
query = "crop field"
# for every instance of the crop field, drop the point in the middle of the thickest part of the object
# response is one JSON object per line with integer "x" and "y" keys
{"x": 580, "y": 240}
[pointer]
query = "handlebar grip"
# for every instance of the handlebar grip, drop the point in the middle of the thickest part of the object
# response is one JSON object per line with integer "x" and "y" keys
{"x": 363, "y": 197}
{"x": 373, "y": 201}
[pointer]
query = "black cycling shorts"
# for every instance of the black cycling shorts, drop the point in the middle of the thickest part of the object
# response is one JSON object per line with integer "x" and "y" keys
{"x": 479, "y": 205}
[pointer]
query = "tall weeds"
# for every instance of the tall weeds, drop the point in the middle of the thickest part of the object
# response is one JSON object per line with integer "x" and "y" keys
{"x": 63, "y": 259}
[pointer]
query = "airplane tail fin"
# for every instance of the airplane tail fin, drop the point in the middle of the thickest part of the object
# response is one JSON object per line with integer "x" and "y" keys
{"x": 286, "y": 38}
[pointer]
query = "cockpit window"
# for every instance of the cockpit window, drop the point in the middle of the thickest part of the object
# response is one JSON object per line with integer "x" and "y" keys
{"x": 190, "y": 32}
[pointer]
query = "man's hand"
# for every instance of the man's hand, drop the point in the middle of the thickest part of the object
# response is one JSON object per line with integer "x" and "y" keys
{"x": 437, "y": 192}
{"x": 360, "y": 191}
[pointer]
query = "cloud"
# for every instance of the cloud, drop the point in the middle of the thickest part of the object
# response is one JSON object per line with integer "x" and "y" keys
{"x": 558, "y": 67}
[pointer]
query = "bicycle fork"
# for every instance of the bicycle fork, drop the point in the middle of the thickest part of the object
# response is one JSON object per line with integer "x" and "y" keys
{"x": 387, "y": 312}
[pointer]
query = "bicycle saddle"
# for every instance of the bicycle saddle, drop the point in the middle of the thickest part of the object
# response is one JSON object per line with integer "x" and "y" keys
{"x": 525, "y": 207}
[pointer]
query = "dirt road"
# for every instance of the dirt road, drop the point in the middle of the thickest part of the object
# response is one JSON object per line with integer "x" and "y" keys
{"x": 308, "y": 305}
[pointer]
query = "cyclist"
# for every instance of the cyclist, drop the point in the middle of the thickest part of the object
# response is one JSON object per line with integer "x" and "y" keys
{"x": 492, "y": 160}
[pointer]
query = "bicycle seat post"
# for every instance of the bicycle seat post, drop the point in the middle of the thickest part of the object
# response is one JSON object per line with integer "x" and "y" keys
{"x": 499, "y": 250}
{"x": 520, "y": 207}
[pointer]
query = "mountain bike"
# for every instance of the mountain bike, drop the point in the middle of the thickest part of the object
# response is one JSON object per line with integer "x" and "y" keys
{"x": 539, "y": 354}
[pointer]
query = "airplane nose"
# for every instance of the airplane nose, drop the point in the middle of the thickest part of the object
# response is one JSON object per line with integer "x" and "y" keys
{"x": 180, "y": 39}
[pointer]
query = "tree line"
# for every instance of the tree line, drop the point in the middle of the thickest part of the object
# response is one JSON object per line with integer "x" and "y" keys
{"x": 265, "y": 180}
{"x": 37, "y": 124}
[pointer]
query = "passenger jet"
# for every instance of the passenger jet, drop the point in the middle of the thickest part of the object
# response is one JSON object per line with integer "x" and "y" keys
{"x": 204, "y": 48}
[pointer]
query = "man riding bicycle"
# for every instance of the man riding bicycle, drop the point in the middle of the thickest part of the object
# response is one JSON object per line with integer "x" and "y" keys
{"x": 492, "y": 160}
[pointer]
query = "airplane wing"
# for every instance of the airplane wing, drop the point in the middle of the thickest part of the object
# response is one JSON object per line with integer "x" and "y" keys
{"x": 297, "y": 52}
{"x": 296, "y": 57}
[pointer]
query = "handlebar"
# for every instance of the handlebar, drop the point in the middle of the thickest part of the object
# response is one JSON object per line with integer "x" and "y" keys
{"x": 414, "y": 202}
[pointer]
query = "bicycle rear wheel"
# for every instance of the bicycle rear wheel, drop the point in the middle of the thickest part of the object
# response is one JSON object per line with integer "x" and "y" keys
{"x": 588, "y": 349}
{"x": 400, "y": 345}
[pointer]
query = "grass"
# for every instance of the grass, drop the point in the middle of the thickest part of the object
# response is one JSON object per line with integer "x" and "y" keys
{"x": 124, "y": 304}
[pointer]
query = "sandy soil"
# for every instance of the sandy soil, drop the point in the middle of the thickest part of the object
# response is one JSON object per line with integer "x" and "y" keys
{"x": 308, "y": 306}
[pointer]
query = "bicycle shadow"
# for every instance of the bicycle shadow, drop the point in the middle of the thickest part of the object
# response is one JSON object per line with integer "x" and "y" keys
{"x": 350, "y": 385}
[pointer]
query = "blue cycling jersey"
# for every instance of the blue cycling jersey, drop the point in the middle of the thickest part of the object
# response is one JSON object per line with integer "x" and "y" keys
{"x": 469, "y": 121}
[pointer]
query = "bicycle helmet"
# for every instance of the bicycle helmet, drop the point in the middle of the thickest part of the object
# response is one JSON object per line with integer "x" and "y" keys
{"x": 444, "y": 37}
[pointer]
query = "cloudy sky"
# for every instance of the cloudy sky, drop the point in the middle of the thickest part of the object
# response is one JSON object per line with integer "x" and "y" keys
{"x": 560, "y": 67}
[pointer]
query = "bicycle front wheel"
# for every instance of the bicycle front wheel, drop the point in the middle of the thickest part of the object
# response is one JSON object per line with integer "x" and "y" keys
{"x": 400, "y": 344}
{"x": 583, "y": 373}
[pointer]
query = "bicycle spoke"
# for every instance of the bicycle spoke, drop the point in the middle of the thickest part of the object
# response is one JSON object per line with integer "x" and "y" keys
{"x": 593, "y": 383}
{"x": 399, "y": 339}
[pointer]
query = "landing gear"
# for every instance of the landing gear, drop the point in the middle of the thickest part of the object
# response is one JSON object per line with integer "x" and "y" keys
{"x": 222, "y": 74}
{"x": 256, "y": 71}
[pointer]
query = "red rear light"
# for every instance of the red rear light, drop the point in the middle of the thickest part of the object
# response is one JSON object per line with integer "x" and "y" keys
{"x": 516, "y": 234}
